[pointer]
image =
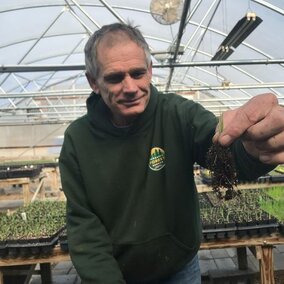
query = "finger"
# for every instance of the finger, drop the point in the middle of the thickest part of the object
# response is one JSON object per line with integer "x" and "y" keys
{"x": 270, "y": 151}
{"x": 272, "y": 144}
{"x": 237, "y": 122}
{"x": 272, "y": 158}
{"x": 267, "y": 128}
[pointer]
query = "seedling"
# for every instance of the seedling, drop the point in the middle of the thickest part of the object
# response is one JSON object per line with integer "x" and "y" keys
{"x": 221, "y": 164}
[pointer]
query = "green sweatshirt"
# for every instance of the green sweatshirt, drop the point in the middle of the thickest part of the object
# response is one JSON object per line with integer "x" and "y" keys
{"x": 132, "y": 205}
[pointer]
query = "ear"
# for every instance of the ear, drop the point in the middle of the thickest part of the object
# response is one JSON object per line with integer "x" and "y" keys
{"x": 92, "y": 83}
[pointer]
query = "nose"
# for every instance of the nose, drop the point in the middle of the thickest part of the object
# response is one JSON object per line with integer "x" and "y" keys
{"x": 129, "y": 84}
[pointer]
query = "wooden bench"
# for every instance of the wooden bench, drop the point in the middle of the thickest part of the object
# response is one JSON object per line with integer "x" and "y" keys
{"x": 45, "y": 262}
{"x": 24, "y": 182}
{"x": 262, "y": 248}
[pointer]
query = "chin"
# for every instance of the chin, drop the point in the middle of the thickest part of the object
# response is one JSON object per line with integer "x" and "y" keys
{"x": 133, "y": 112}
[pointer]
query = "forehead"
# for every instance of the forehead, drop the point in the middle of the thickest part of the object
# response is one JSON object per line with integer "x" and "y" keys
{"x": 113, "y": 38}
{"x": 119, "y": 53}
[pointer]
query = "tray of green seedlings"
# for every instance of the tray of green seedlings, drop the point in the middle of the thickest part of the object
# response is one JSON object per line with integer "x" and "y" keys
{"x": 241, "y": 216}
{"x": 275, "y": 205}
{"x": 32, "y": 230}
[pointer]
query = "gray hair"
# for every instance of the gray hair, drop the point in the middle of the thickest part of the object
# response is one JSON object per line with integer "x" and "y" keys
{"x": 91, "y": 60}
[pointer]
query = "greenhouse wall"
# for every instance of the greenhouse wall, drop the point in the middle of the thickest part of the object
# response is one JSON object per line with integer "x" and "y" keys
{"x": 31, "y": 141}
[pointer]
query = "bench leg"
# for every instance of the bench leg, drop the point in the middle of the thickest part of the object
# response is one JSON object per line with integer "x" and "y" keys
{"x": 266, "y": 266}
{"x": 45, "y": 272}
{"x": 242, "y": 258}
{"x": 1, "y": 277}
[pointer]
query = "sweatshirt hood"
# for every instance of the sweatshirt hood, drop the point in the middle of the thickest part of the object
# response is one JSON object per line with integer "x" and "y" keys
{"x": 99, "y": 115}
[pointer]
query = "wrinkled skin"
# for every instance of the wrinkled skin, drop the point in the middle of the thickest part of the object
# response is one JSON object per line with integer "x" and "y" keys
{"x": 260, "y": 124}
{"x": 124, "y": 79}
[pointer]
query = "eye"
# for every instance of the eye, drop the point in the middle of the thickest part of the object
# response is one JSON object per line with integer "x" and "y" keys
{"x": 114, "y": 78}
{"x": 137, "y": 74}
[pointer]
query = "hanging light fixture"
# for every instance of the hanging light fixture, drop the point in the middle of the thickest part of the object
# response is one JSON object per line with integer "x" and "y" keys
{"x": 237, "y": 35}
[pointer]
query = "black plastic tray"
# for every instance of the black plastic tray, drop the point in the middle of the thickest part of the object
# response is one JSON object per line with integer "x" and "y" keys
{"x": 23, "y": 172}
{"x": 222, "y": 231}
{"x": 29, "y": 247}
{"x": 63, "y": 242}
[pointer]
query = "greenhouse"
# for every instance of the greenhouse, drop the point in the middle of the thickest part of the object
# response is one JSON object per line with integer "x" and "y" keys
{"x": 121, "y": 135}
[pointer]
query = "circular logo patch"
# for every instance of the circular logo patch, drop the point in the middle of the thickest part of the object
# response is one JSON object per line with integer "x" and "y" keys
{"x": 157, "y": 159}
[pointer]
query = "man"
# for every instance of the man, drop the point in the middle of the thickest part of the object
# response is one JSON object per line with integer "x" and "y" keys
{"x": 127, "y": 166}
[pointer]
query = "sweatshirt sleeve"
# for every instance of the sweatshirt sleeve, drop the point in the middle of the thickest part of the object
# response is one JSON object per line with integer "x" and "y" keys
{"x": 89, "y": 244}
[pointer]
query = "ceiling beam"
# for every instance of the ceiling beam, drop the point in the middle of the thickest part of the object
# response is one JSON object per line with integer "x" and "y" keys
{"x": 230, "y": 87}
{"x": 79, "y": 94}
{"x": 67, "y": 67}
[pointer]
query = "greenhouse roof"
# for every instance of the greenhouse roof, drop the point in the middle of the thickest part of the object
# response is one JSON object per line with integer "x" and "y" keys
{"x": 42, "y": 78}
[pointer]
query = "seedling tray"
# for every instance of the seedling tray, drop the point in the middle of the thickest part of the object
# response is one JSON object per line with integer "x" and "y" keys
{"x": 31, "y": 247}
{"x": 3, "y": 249}
{"x": 218, "y": 231}
{"x": 281, "y": 229}
{"x": 3, "y": 174}
{"x": 63, "y": 242}
{"x": 23, "y": 172}
{"x": 250, "y": 229}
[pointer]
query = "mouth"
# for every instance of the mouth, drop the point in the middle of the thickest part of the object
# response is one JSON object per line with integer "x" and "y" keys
{"x": 131, "y": 102}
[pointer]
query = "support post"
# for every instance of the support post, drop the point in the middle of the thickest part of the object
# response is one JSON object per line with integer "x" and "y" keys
{"x": 26, "y": 193}
{"x": 266, "y": 265}
{"x": 1, "y": 277}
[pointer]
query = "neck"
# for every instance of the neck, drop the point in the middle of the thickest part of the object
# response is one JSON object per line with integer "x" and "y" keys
{"x": 121, "y": 123}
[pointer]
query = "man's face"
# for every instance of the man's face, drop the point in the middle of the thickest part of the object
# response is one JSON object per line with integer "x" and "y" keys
{"x": 123, "y": 80}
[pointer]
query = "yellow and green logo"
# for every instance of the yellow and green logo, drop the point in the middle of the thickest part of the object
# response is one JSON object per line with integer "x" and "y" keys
{"x": 157, "y": 159}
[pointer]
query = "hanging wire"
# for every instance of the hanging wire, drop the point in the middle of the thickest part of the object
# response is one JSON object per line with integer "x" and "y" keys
{"x": 225, "y": 22}
{"x": 205, "y": 31}
{"x": 220, "y": 78}
{"x": 249, "y": 7}
{"x": 171, "y": 29}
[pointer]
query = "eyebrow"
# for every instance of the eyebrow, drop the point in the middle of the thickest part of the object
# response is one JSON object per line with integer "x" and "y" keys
{"x": 112, "y": 75}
